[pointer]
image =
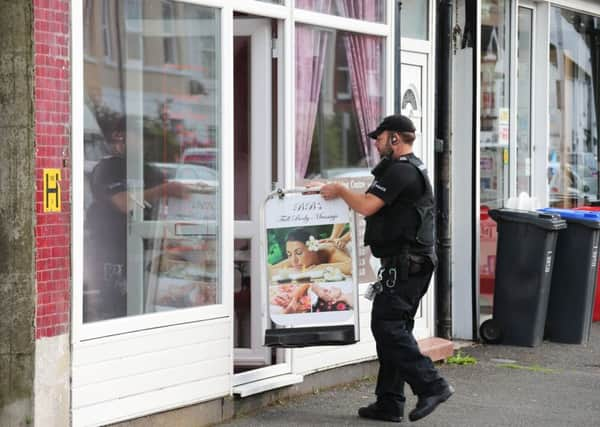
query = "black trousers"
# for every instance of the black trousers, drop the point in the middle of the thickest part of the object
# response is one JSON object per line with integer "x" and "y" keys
{"x": 400, "y": 360}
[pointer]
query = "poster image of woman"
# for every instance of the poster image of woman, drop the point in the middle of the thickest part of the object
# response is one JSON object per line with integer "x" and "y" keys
{"x": 309, "y": 249}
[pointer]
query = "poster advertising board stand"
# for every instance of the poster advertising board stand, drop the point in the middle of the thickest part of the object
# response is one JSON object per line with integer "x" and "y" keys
{"x": 309, "y": 255}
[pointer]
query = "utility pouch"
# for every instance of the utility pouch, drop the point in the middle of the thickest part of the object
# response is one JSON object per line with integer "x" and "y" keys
{"x": 403, "y": 268}
{"x": 416, "y": 264}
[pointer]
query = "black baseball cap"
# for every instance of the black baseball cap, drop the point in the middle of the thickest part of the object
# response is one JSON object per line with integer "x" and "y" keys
{"x": 396, "y": 123}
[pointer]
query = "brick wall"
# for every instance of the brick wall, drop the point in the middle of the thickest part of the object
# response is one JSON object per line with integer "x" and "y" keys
{"x": 52, "y": 139}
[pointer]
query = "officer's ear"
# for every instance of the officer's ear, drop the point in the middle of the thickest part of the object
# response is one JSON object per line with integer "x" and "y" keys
{"x": 395, "y": 139}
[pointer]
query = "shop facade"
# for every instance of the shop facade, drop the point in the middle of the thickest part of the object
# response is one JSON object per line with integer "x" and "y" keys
{"x": 148, "y": 298}
{"x": 182, "y": 117}
{"x": 529, "y": 107}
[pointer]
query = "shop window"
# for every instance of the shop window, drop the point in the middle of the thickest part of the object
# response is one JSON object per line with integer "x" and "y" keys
{"x": 495, "y": 102}
{"x": 152, "y": 160}
{"x": 574, "y": 108}
{"x": 365, "y": 10}
{"x": 331, "y": 130}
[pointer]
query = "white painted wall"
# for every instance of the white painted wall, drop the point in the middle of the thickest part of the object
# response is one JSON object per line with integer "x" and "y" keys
{"x": 51, "y": 381}
{"x": 131, "y": 375}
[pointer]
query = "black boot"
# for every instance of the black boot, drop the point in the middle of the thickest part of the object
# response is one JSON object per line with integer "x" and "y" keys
{"x": 427, "y": 404}
{"x": 379, "y": 411}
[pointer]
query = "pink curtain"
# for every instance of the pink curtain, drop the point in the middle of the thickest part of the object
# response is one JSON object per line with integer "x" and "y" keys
{"x": 364, "y": 54}
{"x": 311, "y": 47}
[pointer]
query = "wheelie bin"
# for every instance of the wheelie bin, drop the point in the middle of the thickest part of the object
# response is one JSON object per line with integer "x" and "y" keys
{"x": 524, "y": 261}
{"x": 596, "y": 315}
{"x": 573, "y": 284}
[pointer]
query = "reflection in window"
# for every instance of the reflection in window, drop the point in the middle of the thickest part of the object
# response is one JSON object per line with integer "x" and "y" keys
{"x": 495, "y": 102}
{"x": 524, "y": 79}
{"x": 365, "y": 10}
{"x": 494, "y": 137}
{"x": 106, "y": 39}
{"x": 151, "y": 147}
{"x": 574, "y": 108}
{"x": 133, "y": 29}
{"x": 169, "y": 45}
{"x": 331, "y": 129}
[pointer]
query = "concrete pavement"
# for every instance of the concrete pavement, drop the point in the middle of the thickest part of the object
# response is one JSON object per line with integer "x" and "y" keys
{"x": 550, "y": 385}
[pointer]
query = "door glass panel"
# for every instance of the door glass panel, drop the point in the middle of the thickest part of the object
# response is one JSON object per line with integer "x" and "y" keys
{"x": 494, "y": 135}
{"x": 339, "y": 99}
{"x": 414, "y": 19}
{"x": 241, "y": 111}
{"x": 151, "y": 144}
{"x": 574, "y": 108}
{"x": 524, "y": 78}
{"x": 255, "y": 139}
{"x": 242, "y": 292}
{"x": 366, "y": 10}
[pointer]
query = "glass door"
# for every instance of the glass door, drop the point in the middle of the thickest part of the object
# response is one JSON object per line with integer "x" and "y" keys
{"x": 495, "y": 131}
{"x": 506, "y": 165}
{"x": 252, "y": 182}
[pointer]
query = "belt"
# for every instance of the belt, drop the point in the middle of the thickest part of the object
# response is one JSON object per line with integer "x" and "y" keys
{"x": 397, "y": 259}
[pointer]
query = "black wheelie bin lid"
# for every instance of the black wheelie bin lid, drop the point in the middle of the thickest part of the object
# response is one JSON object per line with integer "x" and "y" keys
{"x": 586, "y": 218}
{"x": 542, "y": 220}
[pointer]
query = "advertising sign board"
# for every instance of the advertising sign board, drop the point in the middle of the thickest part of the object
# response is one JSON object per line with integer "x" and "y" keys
{"x": 312, "y": 280}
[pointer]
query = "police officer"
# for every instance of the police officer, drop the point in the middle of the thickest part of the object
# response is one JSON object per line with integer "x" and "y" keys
{"x": 399, "y": 211}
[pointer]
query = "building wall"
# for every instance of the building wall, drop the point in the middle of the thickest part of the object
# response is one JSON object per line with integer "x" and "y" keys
{"x": 17, "y": 280}
{"x": 52, "y": 90}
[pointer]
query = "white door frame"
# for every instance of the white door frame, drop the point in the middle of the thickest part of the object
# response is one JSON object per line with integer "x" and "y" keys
{"x": 259, "y": 31}
{"x": 535, "y": 169}
{"x": 424, "y": 319}
{"x": 541, "y": 91}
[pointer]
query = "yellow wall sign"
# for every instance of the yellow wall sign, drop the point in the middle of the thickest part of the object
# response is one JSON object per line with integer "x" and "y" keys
{"x": 52, "y": 190}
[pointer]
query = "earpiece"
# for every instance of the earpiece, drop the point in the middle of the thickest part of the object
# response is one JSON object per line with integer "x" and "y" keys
{"x": 394, "y": 140}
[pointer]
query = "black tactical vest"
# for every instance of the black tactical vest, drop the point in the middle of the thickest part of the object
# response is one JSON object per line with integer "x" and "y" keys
{"x": 394, "y": 228}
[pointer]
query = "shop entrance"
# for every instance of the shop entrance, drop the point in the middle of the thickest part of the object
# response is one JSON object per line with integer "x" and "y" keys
{"x": 255, "y": 171}
{"x": 414, "y": 92}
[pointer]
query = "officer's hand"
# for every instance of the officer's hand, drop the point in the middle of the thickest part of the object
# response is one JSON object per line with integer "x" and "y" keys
{"x": 330, "y": 191}
{"x": 314, "y": 186}
{"x": 177, "y": 189}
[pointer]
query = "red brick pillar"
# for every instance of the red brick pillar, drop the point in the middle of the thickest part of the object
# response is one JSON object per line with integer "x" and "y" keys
{"x": 52, "y": 97}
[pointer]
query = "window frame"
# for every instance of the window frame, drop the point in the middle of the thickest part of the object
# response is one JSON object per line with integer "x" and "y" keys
{"x": 89, "y": 331}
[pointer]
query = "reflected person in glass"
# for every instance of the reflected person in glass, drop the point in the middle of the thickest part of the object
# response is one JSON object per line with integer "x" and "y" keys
{"x": 105, "y": 295}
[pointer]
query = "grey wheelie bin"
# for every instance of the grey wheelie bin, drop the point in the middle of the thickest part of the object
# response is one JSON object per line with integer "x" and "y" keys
{"x": 573, "y": 285}
{"x": 524, "y": 261}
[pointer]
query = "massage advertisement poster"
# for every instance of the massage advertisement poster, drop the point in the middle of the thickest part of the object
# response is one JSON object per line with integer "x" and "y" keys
{"x": 310, "y": 253}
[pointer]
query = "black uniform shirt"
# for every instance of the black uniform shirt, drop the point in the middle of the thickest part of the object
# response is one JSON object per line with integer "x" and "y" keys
{"x": 107, "y": 225}
{"x": 400, "y": 180}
